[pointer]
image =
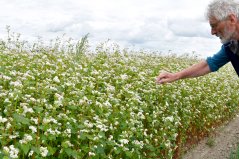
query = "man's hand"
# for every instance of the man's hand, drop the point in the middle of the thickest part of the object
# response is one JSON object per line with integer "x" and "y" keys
{"x": 195, "y": 70}
{"x": 166, "y": 77}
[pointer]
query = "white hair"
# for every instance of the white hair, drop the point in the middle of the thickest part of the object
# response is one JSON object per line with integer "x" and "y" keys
{"x": 221, "y": 9}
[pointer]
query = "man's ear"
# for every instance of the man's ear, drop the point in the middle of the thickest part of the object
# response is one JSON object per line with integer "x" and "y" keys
{"x": 233, "y": 18}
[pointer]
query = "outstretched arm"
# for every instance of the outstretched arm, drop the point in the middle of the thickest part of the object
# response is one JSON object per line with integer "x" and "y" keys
{"x": 196, "y": 70}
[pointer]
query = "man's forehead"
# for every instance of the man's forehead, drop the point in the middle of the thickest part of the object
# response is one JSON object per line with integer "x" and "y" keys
{"x": 212, "y": 20}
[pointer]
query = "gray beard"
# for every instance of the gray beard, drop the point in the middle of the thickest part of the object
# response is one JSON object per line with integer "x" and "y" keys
{"x": 234, "y": 47}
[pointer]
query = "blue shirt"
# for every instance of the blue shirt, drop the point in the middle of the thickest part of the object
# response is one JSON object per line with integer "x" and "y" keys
{"x": 218, "y": 60}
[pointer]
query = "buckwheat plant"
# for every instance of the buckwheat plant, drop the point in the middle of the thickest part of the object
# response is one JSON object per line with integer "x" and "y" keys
{"x": 56, "y": 103}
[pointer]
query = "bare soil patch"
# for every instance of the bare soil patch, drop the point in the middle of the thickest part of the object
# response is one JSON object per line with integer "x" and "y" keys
{"x": 219, "y": 145}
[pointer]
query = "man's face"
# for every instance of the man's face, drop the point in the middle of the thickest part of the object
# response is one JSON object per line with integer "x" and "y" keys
{"x": 221, "y": 29}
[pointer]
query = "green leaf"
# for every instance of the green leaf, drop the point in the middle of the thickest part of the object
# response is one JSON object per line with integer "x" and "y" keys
{"x": 36, "y": 150}
{"x": 117, "y": 151}
{"x": 100, "y": 150}
{"x": 90, "y": 137}
{"x": 71, "y": 152}
{"x": 72, "y": 107}
{"x": 38, "y": 109}
{"x": 52, "y": 150}
{"x": 21, "y": 119}
{"x": 83, "y": 136}
{"x": 102, "y": 134}
{"x": 52, "y": 138}
{"x": 129, "y": 154}
{"x": 64, "y": 145}
{"x": 25, "y": 148}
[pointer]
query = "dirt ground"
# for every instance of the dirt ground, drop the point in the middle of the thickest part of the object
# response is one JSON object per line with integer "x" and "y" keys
{"x": 224, "y": 140}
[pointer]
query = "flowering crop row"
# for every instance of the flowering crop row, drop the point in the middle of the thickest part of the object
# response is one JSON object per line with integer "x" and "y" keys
{"x": 106, "y": 105}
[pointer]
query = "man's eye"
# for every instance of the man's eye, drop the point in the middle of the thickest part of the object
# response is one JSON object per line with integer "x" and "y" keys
{"x": 213, "y": 26}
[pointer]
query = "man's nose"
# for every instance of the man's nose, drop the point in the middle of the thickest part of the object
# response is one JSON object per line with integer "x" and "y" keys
{"x": 213, "y": 31}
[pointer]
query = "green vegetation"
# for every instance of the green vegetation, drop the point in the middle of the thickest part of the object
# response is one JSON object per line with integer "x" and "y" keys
{"x": 235, "y": 154}
{"x": 210, "y": 142}
{"x": 68, "y": 102}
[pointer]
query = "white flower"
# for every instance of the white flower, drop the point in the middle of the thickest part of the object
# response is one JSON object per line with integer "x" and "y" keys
{"x": 141, "y": 115}
{"x": 26, "y": 109}
{"x": 56, "y": 79}
{"x": 88, "y": 124}
{"x": 16, "y": 84}
{"x": 124, "y": 141}
{"x": 84, "y": 131}
{"x": 91, "y": 154}
{"x": 14, "y": 73}
{"x": 43, "y": 151}
{"x": 32, "y": 100}
{"x": 6, "y": 149}
{"x": 33, "y": 128}
{"x": 170, "y": 118}
{"x": 14, "y": 136}
{"x": 2, "y": 94}
{"x": 124, "y": 77}
{"x": 12, "y": 151}
{"x": 110, "y": 88}
{"x": 59, "y": 99}
{"x": 3, "y": 120}
{"x": 7, "y": 100}
{"x": 30, "y": 153}
{"x": 7, "y": 78}
{"x": 107, "y": 104}
{"x": 53, "y": 88}
{"x": 168, "y": 144}
{"x": 35, "y": 120}
{"x": 48, "y": 120}
{"x": 68, "y": 132}
{"x": 53, "y": 132}
{"x": 69, "y": 143}
{"x": 102, "y": 127}
{"x": 98, "y": 104}
{"x": 26, "y": 139}
{"x": 110, "y": 137}
{"x": 139, "y": 143}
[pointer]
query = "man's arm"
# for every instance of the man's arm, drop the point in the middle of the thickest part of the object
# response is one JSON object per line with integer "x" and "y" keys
{"x": 196, "y": 70}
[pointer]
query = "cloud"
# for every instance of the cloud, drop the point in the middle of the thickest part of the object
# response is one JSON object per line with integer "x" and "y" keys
{"x": 157, "y": 25}
{"x": 188, "y": 27}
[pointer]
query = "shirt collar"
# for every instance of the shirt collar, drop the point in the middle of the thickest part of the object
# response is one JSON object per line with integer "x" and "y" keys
{"x": 233, "y": 45}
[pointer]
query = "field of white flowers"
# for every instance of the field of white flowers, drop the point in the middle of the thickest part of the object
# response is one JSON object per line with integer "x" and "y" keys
{"x": 71, "y": 104}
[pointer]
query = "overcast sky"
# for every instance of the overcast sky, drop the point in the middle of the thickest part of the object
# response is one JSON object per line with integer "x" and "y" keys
{"x": 157, "y": 25}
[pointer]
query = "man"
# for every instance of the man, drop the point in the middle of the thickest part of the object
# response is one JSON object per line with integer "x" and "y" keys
{"x": 223, "y": 16}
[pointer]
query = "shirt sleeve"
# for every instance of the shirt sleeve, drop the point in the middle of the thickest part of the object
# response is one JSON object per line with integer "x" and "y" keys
{"x": 217, "y": 60}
